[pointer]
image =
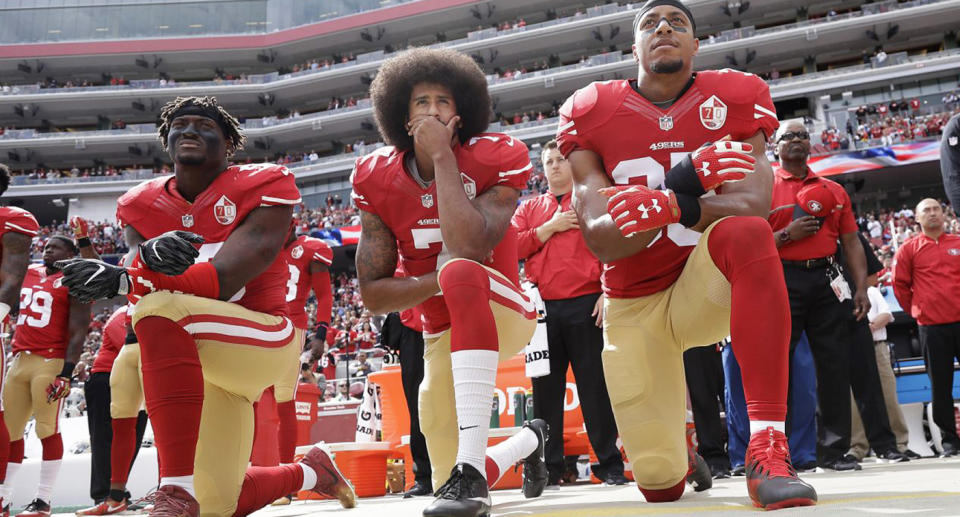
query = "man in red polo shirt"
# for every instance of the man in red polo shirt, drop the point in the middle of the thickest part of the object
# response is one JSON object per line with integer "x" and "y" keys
{"x": 809, "y": 214}
{"x": 926, "y": 281}
{"x": 567, "y": 274}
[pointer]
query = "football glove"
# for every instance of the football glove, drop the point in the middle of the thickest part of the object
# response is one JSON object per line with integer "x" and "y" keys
{"x": 80, "y": 228}
{"x": 635, "y": 208}
{"x": 711, "y": 166}
{"x": 90, "y": 280}
{"x": 171, "y": 253}
{"x": 58, "y": 388}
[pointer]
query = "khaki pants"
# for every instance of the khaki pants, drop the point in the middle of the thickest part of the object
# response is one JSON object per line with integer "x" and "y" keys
{"x": 242, "y": 353}
{"x": 25, "y": 395}
{"x": 888, "y": 381}
{"x": 126, "y": 383}
{"x": 644, "y": 340}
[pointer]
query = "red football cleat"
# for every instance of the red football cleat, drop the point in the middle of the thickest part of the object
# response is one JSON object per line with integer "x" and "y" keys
{"x": 771, "y": 479}
{"x": 330, "y": 481}
{"x": 698, "y": 471}
{"x": 104, "y": 508}
{"x": 173, "y": 501}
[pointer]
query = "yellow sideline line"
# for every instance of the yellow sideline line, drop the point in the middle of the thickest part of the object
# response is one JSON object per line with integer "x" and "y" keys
{"x": 600, "y": 512}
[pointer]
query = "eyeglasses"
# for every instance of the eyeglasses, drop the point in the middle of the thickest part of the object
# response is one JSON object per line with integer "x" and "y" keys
{"x": 790, "y": 135}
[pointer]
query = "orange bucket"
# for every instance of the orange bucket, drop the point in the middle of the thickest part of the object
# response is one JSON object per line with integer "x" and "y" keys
{"x": 363, "y": 464}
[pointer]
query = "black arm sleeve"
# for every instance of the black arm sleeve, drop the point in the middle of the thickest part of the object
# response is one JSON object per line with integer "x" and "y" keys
{"x": 950, "y": 160}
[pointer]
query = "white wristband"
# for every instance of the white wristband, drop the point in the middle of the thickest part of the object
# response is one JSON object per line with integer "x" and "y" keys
{"x": 4, "y": 310}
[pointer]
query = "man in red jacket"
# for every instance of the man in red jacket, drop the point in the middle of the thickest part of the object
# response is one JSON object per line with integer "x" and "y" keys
{"x": 559, "y": 263}
{"x": 926, "y": 281}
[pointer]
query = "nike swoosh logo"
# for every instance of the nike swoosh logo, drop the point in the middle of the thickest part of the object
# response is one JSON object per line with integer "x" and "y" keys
{"x": 468, "y": 427}
{"x": 100, "y": 269}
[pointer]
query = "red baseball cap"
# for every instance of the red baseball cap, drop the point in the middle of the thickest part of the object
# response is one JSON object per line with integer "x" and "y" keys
{"x": 816, "y": 199}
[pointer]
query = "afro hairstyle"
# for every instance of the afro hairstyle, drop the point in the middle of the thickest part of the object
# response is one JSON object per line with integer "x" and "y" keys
{"x": 458, "y": 72}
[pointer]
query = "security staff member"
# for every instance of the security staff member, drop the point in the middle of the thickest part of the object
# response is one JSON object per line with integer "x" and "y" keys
{"x": 568, "y": 277}
{"x": 950, "y": 160}
{"x": 926, "y": 281}
{"x": 808, "y": 215}
{"x": 403, "y": 332}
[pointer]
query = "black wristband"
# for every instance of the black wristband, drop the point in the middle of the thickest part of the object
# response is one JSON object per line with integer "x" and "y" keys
{"x": 83, "y": 242}
{"x": 67, "y": 371}
{"x": 689, "y": 209}
{"x": 682, "y": 179}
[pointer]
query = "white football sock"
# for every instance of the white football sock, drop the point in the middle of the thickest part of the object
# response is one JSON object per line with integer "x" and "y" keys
{"x": 184, "y": 482}
{"x": 474, "y": 378}
{"x": 49, "y": 469}
{"x": 6, "y": 490}
{"x": 513, "y": 449}
{"x": 309, "y": 477}
{"x": 760, "y": 425}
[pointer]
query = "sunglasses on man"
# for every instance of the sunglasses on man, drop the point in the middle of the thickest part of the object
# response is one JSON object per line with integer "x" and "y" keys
{"x": 790, "y": 135}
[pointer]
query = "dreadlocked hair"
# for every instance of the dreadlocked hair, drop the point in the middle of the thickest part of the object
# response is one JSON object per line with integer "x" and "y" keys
{"x": 227, "y": 122}
{"x": 457, "y": 72}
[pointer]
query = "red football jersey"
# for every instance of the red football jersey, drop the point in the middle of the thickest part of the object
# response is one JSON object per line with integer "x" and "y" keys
{"x": 328, "y": 365}
{"x": 113, "y": 336}
{"x": 382, "y": 187}
{"x": 155, "y": 207}
{"x": 13, "y": 219}
{"x": 299, "y": 254}
{"x": 639, "y": 142}
{"x": 43, "y": 324}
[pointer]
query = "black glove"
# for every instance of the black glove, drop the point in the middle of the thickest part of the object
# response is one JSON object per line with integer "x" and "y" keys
{"x": 90, "y": 280}
{"x": 171, "y": 253}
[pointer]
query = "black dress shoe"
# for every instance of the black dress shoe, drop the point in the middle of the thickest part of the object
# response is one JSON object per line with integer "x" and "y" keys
{"x": 615, "y": 479}
{"x": 949, "y": 450}
{"x": 739, "y": 470}
{"x": 892, "y": 456}
{"x": 912, "y": 455}
{"x": 810, "y": 466}
{"x": 418, "y": 489}
{"x": 719, "y": 467}
{"x": 843, "y": 464}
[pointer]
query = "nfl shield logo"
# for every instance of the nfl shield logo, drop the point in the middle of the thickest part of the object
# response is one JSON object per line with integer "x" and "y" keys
{"x": 666, "y": 122}
{"x": 426, "y": 200}
{"x": 713, "y": 113}
{"x": 225, "y": 211}
{"x": 187, "y": 221}
{"x": 952, "y": 140}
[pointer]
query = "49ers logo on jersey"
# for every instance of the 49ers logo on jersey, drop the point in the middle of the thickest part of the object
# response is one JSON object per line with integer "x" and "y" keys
{"x": 296, "y": 252}
{"x": 469, "y": 186}
{"x": 713, "y": 113}
{"x": 225, "y": 210}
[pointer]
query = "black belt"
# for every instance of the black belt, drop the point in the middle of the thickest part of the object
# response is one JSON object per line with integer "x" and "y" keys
{"x": 809, "y": 263}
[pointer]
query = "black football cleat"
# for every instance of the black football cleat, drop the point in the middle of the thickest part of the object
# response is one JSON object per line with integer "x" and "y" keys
{"x": 772, "y": 481}
{"x": 534, "y": 465}
{"x": 465, "y": 494}
{"x": 699, "y": 475}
